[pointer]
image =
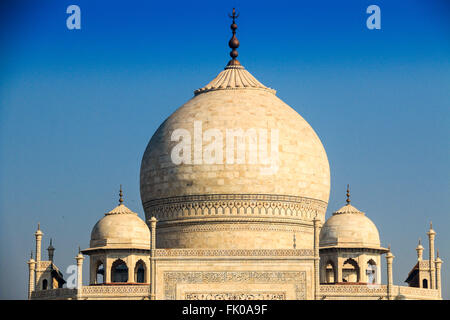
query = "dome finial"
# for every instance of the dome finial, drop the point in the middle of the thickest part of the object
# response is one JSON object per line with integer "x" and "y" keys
{"x": 348, "y": 194}
{"x": 234, "y": 42}
{"x": 120, "y": 196}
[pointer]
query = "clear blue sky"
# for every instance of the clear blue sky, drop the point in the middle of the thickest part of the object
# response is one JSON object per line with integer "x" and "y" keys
{"x": 77, "y": 108}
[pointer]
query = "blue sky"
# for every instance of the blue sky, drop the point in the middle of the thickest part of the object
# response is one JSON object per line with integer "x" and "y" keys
{"x": 77, "y": 108}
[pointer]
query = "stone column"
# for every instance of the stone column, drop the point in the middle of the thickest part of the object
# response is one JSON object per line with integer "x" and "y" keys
{"x": 339, "y": 262}
{"x": 389, "y": 258}
{"x": 107, "y": 267}
{"x": 31, "y": 276}
{"x": 316, "y": 222}
{"x": 79, "y": 259}
{"x": 131, "y": 265}
{"x": 38, "y": 234}
{"x": 438, "y": 274}
{"x": 152, "y": 258}
{"x": 431, "y": 234}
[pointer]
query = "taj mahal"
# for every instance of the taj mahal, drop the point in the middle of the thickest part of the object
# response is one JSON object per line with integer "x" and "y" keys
{"x": 243, "y": 219}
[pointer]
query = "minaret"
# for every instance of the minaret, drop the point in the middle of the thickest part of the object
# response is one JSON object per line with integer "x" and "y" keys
{"x": 51, "y": 251}
{"x": 38, "y": 234}
{"x": 79, "y": 259}
{"x": 316, "y": 223}
{"x": 438, "y": 274}
{"x": 389, "y": 258}
{"x": 31, "y": 275}
{"x": 431, "y": 234}
{"x": 419, "y": 250}
{"x": 152, "y": 257}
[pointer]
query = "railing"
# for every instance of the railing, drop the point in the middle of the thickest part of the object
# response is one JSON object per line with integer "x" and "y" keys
{"x": 415, "y": 293}
{"x": 111, "y": 291}
{"x": 342, "y": 291}
{"x": 362, "y": 290}
{"x": 60, "y": 293}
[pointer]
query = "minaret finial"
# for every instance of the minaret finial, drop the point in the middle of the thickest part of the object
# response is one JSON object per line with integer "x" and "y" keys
{"x": 31, "y": 256}
{"x": 348, "y": 194}
{"x": 120, "y": 196}
{"x": 234, "y": 42}
{"x": 79, "y": 249}
{"x": 431, "y": 225}
{"x": 420, "y": 241}
{"x": 437, "y": 253}
{"x": 50, "y": 241}
{"x": 39, "y": 226}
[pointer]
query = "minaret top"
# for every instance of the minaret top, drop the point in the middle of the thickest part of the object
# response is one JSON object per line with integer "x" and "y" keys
{"x": 234, "y": 42}
{"x": 431, "y": 231}
{"x": 38, "y": 231}
{"x": 419, "y": 246}
{"x": 50, "y": 247}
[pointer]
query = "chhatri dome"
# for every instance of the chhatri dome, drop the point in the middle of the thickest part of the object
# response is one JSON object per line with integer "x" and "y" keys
{"x": 120, "y": 228}
{"x": 348, "y": 227}
{"x": 257, "y": 203}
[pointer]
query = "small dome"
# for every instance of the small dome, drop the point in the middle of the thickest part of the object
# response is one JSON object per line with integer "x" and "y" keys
{"x": 349, "y": 228}
{"x": 120, "y": 228}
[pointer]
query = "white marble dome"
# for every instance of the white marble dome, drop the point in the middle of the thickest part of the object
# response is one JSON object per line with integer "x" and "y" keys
{"x": 222, "y": 192}
{"x": 120, "y": 228}
{"x": 349, "y": 228}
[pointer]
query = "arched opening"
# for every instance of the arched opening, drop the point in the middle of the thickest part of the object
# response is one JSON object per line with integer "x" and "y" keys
{"x": 119, "y": 271}
{"x": 329, "y": 273}
{"x": 139, "y": 272}
{"x": 371, "y": 272}
{"x": 350, "y": 271}
{"x": 100, "y": 273}
{"x": 44, "y": 284}
{"x": 425, "y": 283}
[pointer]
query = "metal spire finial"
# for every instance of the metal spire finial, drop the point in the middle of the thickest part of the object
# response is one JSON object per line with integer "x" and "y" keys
{"x": 431, "y": 225}
{"x": 348, "y": 194}
{"x": 79, "y": 249}
{"x": 420, "y": 241}
{"x": 234, "y": 42}
{"x": 39, "y": 226}
{"x": 51, "y": 241}
{"x": 31, "y": 256}
{"x": 120, "y": 196}
{"x": 437, "y": 253}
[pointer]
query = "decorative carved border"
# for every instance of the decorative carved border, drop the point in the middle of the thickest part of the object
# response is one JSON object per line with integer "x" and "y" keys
{"x": 245, "y": 205}
{"x": 235, "y": 296}
{"x": 234, "y": 252}
{"x": 121, "y": 290}
{"x": 173, "y": 278}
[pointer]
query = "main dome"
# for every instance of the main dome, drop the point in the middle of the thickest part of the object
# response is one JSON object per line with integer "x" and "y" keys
{"x": 288, "y": 191}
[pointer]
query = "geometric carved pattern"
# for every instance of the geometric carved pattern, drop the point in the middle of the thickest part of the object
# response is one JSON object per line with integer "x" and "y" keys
{"x": 121, "y": 290}
{"x": 233, "y": 252}
{"x": 172, "y": 278}
{"x": 235, "y": 296}
{"x": 246, "y": 205}
{"x": 233, "y": 224}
